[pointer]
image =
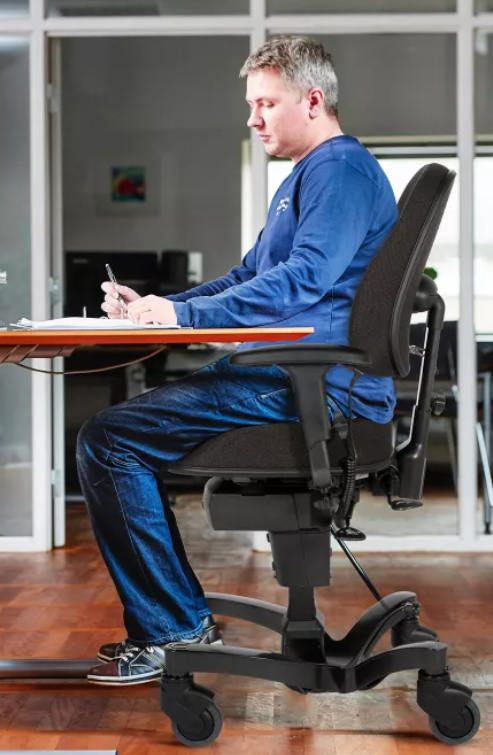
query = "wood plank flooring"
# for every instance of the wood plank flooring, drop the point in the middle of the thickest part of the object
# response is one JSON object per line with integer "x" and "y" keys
{"x": 63, "y": 604}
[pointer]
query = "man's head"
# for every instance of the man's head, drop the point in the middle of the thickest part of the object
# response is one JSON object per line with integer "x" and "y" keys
{"x": 292, "y": 94}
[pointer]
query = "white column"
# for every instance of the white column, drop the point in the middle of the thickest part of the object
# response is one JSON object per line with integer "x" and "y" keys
{"x": 41, "y": 384}
{"x": 467, "y": 369}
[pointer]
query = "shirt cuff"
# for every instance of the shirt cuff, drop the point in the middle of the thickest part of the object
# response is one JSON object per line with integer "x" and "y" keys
{"x": 183, "y": 314}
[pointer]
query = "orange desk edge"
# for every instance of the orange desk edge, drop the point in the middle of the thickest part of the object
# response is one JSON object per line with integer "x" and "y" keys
{"x": 17, "y": 345}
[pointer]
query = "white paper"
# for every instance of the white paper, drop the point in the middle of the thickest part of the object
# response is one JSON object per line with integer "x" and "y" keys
{"x": 86, "y": 323}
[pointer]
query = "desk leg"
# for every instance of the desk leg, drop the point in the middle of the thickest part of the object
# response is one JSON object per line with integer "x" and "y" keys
{"x": 45, "y": 668}
{"x": 135, "y": 383}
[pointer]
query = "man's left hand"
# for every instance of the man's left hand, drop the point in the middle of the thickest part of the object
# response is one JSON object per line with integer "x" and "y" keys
{"x": 152, "y": 309}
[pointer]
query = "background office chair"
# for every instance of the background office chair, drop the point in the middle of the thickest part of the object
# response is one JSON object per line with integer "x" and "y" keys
{"x": 300, "y": 481}
{"x": 447, "y": 371}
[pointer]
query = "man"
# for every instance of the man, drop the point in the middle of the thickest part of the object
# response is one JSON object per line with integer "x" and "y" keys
{"x": 325, "y": 224}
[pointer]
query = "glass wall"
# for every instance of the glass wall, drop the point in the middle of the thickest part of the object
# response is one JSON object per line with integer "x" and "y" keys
{"x": 483, "y": 235}
{"x": 360, "y": 6}
{"x": 483, "y": 176}
{"x": 15, "y": 297}
{"x": 72, "y": 8}
{"x": 387, "y": 97}
{"x": 13, "y": 8}
{"x": 173, "y": 108}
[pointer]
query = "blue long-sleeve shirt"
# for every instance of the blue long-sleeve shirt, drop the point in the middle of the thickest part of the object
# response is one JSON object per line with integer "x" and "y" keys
{"x": 325, "y": 223}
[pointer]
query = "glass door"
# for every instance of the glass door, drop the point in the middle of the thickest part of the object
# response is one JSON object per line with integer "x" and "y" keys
{"x": 171, "y": 110}
{"x": 16, "y": 384}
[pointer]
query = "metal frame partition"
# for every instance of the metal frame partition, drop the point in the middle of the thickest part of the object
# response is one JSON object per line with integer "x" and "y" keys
{"x": 39, "y": 28}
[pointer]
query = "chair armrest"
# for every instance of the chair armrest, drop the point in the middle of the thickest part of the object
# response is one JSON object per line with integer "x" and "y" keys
{"x": 303, "y": 353}
{"x": 307, "y": 365}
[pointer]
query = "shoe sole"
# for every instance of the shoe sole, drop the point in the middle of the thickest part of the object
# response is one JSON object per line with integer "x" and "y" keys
{"x": 107, "y": 658}
{"x": 109, "y": 681}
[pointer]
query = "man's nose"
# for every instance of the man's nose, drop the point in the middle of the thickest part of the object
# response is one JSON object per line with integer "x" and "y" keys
{"x": 254, "y": 120}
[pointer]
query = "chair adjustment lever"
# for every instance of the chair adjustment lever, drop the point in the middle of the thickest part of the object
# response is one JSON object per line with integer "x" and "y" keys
{"x": 350, "y": 533}
{"x": 328, "y": 503}
{"x": 403, "y": 504}
{"x": 438, "y": 402}
{"x": 416, "y": 351}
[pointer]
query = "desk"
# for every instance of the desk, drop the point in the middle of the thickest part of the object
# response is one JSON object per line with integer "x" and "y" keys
{"x": 17, "y": 345}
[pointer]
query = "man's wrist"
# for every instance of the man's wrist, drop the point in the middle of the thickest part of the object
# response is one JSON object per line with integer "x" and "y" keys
{"x": 183, "y": 314}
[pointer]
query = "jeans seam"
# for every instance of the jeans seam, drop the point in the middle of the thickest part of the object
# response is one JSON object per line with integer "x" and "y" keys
{"x": 151, "y": 591}
{"x": 254, "y": 396}
{"x": 272, "y": 393}
{"x": 170, "y": 637}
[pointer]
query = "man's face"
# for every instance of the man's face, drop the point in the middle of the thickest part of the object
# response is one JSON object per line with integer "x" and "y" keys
{"x": 278, "y": 113}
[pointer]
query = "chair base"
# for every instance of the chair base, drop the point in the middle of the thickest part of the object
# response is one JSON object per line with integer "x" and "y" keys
{"x": 347, "y": 667}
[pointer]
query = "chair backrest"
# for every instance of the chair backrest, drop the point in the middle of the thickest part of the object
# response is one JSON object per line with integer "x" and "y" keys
{"x": 384, "y": 301}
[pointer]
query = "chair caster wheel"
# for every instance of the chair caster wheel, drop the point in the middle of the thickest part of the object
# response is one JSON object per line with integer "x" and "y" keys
{"x": 467, "y": 726}
{"x": 212, "y": 720}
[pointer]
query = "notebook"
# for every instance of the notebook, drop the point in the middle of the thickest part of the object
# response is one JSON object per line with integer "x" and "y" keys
{"x": 87, "y": 323}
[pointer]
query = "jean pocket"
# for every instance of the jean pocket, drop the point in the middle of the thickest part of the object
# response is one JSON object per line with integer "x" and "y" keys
{"x": 118, "y": 461}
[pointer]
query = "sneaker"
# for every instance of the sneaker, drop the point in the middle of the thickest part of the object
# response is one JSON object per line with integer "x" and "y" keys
{"x": 112, "y": 650}
{"x": 139, "y": 665}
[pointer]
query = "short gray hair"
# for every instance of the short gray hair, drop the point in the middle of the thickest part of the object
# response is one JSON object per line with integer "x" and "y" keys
{"x": 302, "y": 62}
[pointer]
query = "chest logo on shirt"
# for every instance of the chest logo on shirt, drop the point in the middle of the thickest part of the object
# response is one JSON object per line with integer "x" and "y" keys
{"x": 283, "y": 205}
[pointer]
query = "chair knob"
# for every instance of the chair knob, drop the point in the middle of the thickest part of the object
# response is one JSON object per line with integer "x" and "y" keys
{"x": 438, "y": 403}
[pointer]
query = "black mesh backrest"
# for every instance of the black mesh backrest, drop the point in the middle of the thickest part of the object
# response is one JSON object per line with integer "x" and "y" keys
{"x": 384, "y": 300}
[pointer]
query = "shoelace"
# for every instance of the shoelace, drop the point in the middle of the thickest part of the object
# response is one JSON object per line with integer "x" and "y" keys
{"x": 133, "y": 650}
{"x": 130, "y": 651}
{"x": 121, "y": 648}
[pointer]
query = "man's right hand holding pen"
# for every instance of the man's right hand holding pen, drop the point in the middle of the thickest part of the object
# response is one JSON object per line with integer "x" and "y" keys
{"x": 112, "y": 305}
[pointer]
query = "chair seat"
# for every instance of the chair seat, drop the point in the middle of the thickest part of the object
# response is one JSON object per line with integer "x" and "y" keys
{"x": 279, "y": 449}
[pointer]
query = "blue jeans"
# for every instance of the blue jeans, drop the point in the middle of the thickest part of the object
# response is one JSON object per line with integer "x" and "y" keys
{"x": 121, "y": 454}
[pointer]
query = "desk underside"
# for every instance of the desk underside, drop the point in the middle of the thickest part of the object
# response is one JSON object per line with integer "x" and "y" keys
{"x": 17, "y": 353}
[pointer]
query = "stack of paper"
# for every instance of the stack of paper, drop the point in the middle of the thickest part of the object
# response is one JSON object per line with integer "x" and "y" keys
{"x": 85, "y": 323}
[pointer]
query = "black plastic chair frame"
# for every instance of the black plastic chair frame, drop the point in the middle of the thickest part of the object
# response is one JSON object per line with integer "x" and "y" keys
{"x": 310, "y": 660}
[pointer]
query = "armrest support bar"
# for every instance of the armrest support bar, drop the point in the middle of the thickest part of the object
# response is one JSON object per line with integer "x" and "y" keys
{"x": 307, "y": 365}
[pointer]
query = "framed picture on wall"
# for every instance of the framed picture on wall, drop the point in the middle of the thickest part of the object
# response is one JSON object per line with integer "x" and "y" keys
{"x": 129, "y": 184}
{"x": 126, "y": 184}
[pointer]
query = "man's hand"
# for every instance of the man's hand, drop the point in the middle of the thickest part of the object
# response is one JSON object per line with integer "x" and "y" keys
{"x": 152, "y": 309}
{"x": 111, "y": 304}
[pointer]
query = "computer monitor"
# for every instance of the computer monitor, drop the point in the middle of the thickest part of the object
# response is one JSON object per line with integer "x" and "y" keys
{"x": 85, "y": 271}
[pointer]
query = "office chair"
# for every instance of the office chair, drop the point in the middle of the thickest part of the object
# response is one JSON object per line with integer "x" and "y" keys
{"x": 300, "y": 482}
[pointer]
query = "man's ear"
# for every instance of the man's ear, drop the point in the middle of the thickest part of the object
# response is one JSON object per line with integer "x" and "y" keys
{"x": 315, "y": 102}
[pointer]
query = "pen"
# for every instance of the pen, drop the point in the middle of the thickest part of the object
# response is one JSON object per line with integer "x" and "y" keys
{"x": 112, "y": 278}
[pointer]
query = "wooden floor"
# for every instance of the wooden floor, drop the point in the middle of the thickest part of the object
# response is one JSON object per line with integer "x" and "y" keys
{"x": 63, "y": 604}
